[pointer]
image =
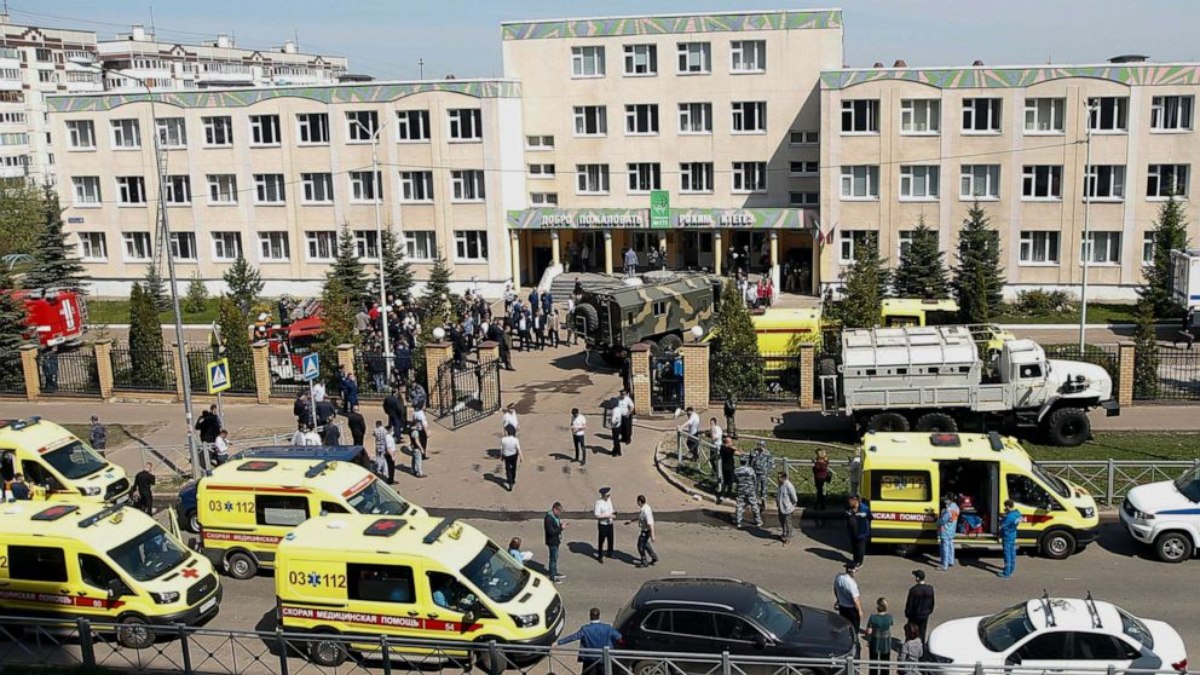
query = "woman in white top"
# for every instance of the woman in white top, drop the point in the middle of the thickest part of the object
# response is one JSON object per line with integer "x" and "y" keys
{"x": 510, "y": 418}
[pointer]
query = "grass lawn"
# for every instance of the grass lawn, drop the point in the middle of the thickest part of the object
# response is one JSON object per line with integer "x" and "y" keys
{"x": 119, "y": 435}
{"x": 1098, "y": 313}
{"x": 117, "y": 311}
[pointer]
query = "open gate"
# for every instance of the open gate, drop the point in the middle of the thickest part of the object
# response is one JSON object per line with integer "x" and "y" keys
{"x": 467, "y": 394}
{"x": 666, "y": 381}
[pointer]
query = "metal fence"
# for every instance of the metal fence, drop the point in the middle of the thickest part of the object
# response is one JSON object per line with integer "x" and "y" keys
{"x": 12, "y": 375}
{"x": 372, "y": 370}
{"x": 241, "y": 369}
{"x": 761, "y": 377}
{"x": 1105, "y": 356}
{"x": 72, "y": 373}
{"x": 1178, "y": 377}
{"x": 143, "y": 370}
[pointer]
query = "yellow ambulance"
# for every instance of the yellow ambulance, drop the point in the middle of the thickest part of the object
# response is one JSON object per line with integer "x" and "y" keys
{"x": 355, "y": 578}
{"x": 905, "y": 477}
{"x": 58, "y": 465}
{"x": 109, "y": 564}
{"x": 246, "y": 506}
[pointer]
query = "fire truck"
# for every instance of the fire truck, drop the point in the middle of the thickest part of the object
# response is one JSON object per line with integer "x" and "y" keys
{"x": 56, "y": 317}
{"x": 288, "y": 344}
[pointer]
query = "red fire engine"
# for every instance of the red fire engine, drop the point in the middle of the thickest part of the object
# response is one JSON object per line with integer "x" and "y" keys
{"x": 54, "y": 316}
{"x": 288, "y": 344}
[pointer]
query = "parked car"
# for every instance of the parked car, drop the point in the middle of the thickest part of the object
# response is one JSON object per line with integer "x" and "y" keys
{"x": 1166, "y": 515}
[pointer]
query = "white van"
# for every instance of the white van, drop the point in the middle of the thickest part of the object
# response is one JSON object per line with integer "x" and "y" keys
{"x": 1166, "y": 515}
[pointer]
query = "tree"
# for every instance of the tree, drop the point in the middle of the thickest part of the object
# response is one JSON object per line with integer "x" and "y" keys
{"x": 22, "y": 217}
{"x": 736, "y": 370}
{"x": 397, "y": 272}
{"x": 1145, "y": 344}
{"x": 235, "y": 339}
{"x": 864, "y": 284}
{"x": 12, "y": 328}
{"x": 54, "y": 265}
{"x": 348, "y": 268}
{"x": 437, "y": 309}
{"x": 146, "y": 363}
{"x": 244, "y": 283}
{"x": 978, "y": 278}
{"x": 337, "y": 324}
{"x": 1170, "y": 234}
{"x": 196, "y": 299}
{"x": 156, "y": 288}
{"x": 921, "y": 272}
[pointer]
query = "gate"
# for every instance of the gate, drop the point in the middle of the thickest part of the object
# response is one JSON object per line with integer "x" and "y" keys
{"x": 666, "y": 381}
{"x": 467, "y": 394}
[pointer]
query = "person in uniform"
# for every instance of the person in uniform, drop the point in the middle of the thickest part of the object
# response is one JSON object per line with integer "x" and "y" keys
{"x": 762, "y": 462}
{"x": 747, "y": 493}
{"x": 1008, "y": 537}
{"x": 603, "y": 512}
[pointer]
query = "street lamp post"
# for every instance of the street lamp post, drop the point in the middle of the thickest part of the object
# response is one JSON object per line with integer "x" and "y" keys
{"x": 1089, "y": 185}
{"x": 383, "y": 307}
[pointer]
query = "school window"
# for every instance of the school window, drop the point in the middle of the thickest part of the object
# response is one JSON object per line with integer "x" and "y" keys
{"x": 1101, "y": 248}
{"x": 172, "y": 132}
{"x": 860, "y": 182}
{"x": 1149, "y": 242}
{"x": 366, "y": 244}
{"x": 264, "y": 130}
{"x": 900, "y": 486}
{"x": 801, "y": 169}
{"x": 1108, "y": 113}
{"x": 227, "y": 246}
{"x": 322, "y": 245}
{"x": 641, "y": 119}
{"x": 470, "y": 245}
{"x": 416, "y": 186}
{"x": 92, "y": 246}
{"x": 747, "y": 56}
{"x": 540, "y": 171}
{"x": 467, "y": 185}
{"x": 126, "y": 134}
{"x": 641, "y": 60}
{"x": 591, "y": 179}
{"x": 178, "y": 189}
{"x": 919, "y": 182}
{"x": 695, "y": 58}
{"x": 412, "y": 126}
{"x": 1167, "y": 179}
{"x": 273, "y": 246}
{"x": 313, "y": 128}
{"x": 466, "y": 124}
{"x": 591, "y": 120}
{"x": 587, "y": 61}
{"x": 696, "y": 177}
{"x": 365, "y": 185}
{"x": 183, "y": 245}
{"x": 318, "y": 188}
{"x": 848, "y": 242}
{"x": 420, "y": 245}
{"x": 131, "y": 190}
{"x": 539, "y": 142}
{"x": 543, "y": 198}
{"x": 218, "y": 131}
{"x": 37, "y": 563}
{"x": 904, "y": 239}
{"x": 644, "y": 177}
{"x": 1042, "y": 181}
{"x": 137, "y": 246}
{"x": 860, "y": 116}
{"x": 1038, "y": 248}
{"x": 804, "y": 137}
{"x": 380, "y": 583}
{"x": 804, "y": 199}
{"x": 280, "y": 510}
{"x": 980, "y": 181}
{"x": 269, "y": 188}
{"x": 81, "y": 134}
{"x": 981, "y": 116}
{"x": 1171, "y": 113}
{"x": 1045, "y": 115}
{"x": 695, "y": 118}
{"x": 749, "y": 177}
{"x": 749, "y": 117}
{"x": 920, "y": 116}
{"x": 1105, "y": 182}
{"x": 361, "y": 125}
{"x": 222, "y": 188}
{"x": 87, "y": 190}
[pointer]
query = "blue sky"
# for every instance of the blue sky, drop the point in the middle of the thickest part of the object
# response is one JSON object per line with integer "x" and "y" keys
{"x": 386, "y": 38}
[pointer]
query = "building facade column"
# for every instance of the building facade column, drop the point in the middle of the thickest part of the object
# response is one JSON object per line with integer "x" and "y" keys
{"x": 514, "y": 248}
{"x": 718, "y": 252}
{"x": 608, "y": 252}
{"x": 775, "y": 261}
{"x": 555, "y": 249}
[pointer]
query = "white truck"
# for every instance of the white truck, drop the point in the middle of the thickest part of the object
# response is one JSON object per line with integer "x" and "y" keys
{"x": 1185, "y": 277}
{"x": 933, "y": 379}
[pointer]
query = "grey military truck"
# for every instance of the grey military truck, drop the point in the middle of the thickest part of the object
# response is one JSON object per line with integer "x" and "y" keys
{"x": 656, "y": 309}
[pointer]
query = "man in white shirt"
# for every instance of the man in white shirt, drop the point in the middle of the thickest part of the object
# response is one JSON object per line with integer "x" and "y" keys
{"x": 604, "y": 523}
{"x": 615, "y": 420}
{"x": 510, "y": 451}
{"x": 579, "y": 435}
{"x": 691, "y": 427}
{"x": 221, "y": 448}
{"x": 318, "y": 392}
{"x": 311, "y": 437}
{"x": 298, "y": 435}
{"x": 846, "y": 596}
{"x": 510, "y": 418}
{"x": 627, "y": 409}
{"x": 389, "y": 457}
{"x": 646, "y": 537}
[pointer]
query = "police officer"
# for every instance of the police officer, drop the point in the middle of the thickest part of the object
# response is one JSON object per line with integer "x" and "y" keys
{"x": 1008, "y": 537}
{"x": 747, "y": 492}
{"x": 762, "y": 462}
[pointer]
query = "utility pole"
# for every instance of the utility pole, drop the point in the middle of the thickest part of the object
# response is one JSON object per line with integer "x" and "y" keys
{"x": 1089, "y": 185}
{"x": 377, "y": 181}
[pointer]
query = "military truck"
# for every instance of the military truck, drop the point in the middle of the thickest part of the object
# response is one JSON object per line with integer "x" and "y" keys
{"x": 934, "y": 379}
{"x": 657, "y": 309}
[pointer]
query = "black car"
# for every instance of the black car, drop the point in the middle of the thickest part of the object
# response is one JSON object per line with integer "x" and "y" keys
{"x": 711, "y": 615}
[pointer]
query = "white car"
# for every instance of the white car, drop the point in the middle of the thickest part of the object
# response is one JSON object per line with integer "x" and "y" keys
{"x": 1166, "y": 515}
{"x": 1057, "y": 635}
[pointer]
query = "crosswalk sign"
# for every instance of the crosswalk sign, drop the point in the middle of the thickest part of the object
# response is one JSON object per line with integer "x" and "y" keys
{"x": 310, "y": 367}
{"x": 218, "y": 376}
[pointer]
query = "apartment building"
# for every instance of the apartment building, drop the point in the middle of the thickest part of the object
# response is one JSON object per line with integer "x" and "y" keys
{"x": 718, "y": 115}
{"x": 274, "y": 173}
{"x": 903, "y": 144}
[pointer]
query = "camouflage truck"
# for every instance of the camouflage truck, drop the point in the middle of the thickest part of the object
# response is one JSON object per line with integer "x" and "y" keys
{"x": 658, "y": 311}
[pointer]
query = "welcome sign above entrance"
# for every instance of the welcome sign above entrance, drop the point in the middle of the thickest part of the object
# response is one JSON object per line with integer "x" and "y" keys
{"x": 607, "y": 219}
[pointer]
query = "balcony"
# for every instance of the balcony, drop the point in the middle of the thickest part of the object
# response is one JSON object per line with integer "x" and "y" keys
{"x": 217, "y": 78}
{"x": 13, "y": 172}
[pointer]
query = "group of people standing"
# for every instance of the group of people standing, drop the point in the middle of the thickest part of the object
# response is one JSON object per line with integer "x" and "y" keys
{"x": 918, "y": 607}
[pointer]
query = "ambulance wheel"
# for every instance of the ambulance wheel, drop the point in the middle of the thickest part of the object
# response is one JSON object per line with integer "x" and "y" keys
{"x": 936, "y": 422}
{"x": 134, "y": 633}
{"x": 191, "y": 522}
{"x": 887, "y": 421}
{"x": 1057, "y": 544}
{"x": 484, "y": 657}
{"x": 326, "y": 651}
{"x": 1068, "y": 427}
{"x": 1173, "y": 547}
{"x": 241, "y": 566}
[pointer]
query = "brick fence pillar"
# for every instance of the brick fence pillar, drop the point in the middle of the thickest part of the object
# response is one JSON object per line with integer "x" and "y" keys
{"x": 346, "y": 358}
{"x": 104, "y": 367}
{"x": 436, "y": 354}
{"x": 29, "y": 366}
{"x": 695, "y": 375}
{"x": 1125, "y": 359}
{"x": 807, "y": 377}
{"x": 489, "y": 351}
{"x": 639, "y": 375}
{"x": 177, "y": 369}
{"x": 262, "y": 371}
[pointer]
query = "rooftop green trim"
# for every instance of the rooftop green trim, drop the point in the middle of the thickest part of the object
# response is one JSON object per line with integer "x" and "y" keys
{"x": 237, "y": 98}
{"x": 1150, "y": 74}
{"x": 664, "y": 25}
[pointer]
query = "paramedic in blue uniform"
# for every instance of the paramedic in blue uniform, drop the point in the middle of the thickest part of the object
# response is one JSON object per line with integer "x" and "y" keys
{"x": 1008, "y": 537}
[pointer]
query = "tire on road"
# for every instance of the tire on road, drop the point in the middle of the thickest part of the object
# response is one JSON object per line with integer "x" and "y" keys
{"x": 1057, "y": 544}
{"x": 1174, "y": 547}
{"x": 241, "y": 565}
{"x": 936, "y": 422}
{"x": 326, "y": 651}
{"x": 887, "y": 421}
{"x": 135, "y": 633}
{"x": 1068, "y": 427}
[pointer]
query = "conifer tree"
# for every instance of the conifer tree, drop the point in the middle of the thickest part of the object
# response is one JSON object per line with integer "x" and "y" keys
{"x": 54, "y": 262}
{"x": 235, "y": 338}
{"x": 12, "y": 328}
{"x": 734, "y": 375}
{"x": 978, "y": 278}
{"x": 147, "y": 364}
{"x": 397, "y": 272}
{"x": 921, "y": 272}
{"x": 337, "y": 323}
{"x": 154, "y": 286}
{"x": 865, "y": 285}
{"x": 244, "y": 283}
{"x": 196, "y": 299}
{"x": 1170, "y": 234}
{"x": 1146, "y": 380}
{"x": 349, "y": 269}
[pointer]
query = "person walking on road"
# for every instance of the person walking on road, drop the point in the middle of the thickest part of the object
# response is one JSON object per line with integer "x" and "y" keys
{"x": 143, "y": 483}
{"x": 919, "y": 605}
{"x": 846, "y": 598}
{"x": 854, "y": 473}
{"x": 357, "y": 425}
{"x": 785, "y": 502}
{"x": 730, "y": 414}
{"x": 858, "y": 528}
{"x": 879, "y": 637}
{"x": 1008, "y": 537}
{"x": 553, "y": 526}
{"x": 821, "y": 476}
{"x": 762, "y": 462}
{"x": 331, "y": 434}
{"x": 98, "y": 436}
{"x": 380, "y": 434}
{"x": 726, "y": 456}
{"x": 579, "y": 435}
{"x": 593, "y": 637}
{"x": 747, "y": 493}
{"x": 947, "y": 524}
{"x": 389, "y": 457}
{"x": 393, "y": 409}
{"x": 510, "y": 452}
{"x": 603, "y": 512}
{"x": 627, "y": 412}
{"x": 509, "y": 419}
{"x": 691, "y": 427}
{"x": 715, "y": 433}
{"x": 418, "y": 433}
{"x": 615, "y": 420}
{"x": 645, "y": 542}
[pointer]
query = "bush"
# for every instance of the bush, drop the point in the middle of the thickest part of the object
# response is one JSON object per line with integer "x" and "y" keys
{"x": 196, "y": 299}
{"x": 1037, "y": 302}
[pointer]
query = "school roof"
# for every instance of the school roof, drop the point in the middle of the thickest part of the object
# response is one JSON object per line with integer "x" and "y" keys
{"x": 290, "y": 475}
{"x": 100, "y": 526}
{"x": 924, "y": 445}
{"x": 447, "y": 539}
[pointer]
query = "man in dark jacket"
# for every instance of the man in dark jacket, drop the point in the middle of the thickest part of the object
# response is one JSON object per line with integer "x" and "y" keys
{"x": 331, "y": 434}
{"x": 326, "y": 411}
{"x": 209, "y": 425}
{"x": 919, "y": 606}
{"x": 301, "y": 410}
{"x": 397, "y": 414}
{"x": 143, "y": 483}
{"x": 553, "y": 526}
{"x": 357, "y": 424}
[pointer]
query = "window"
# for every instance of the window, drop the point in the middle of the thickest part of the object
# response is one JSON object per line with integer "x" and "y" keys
{"x": 919, "y": 182}
{"x": 747, "y": 56}
{"x": 980, "y": 181}
{"x": 749, "y": 117}
{"x": 322, "y": 245}
{"x": 904, "y": 239}
{"x": 981, "y": 116}
{"x": 131, "y": 190}
{"x": 850, "y": 240}
{"x": 172, "y": 132}
{"x": 804, "y": 137}
{"x": 860, "y": 116}
{"x": 641, "y": 119}
{"x": 82, "y": 134}
{"x": 470, "y": 245}
{"x": 1149, "y": 241}
{"x": 1167, "y": 179}
{"x": 218, "y": 131}
{"x": 269, "y": 188}
{"x": 44, "y": 55}
{"x": 179, "y": 189}
{"x": 641, "y": 60}
{"x": 318, "y": 188}
{"x": 365, "y": 186}
{"x": 420, "y": 245}
{"x": 137, "y": 246}
{"x": 920, "y": 116}
{"x": 14, "y": 118}
{"x": 1045, "y": 115}
{"x": 366, "y": 244}
{"x": 860, "y": 182}
{"x": 1108, "y": 113}
{"x": 285, "y": 510}
{"x": 361, "y": 125}
{"x": 222, "y": 188}
{"x": 543, "y": 198}
{"x": 587, "y": 61}
{"x": 591, "y": 120}
{"x": 273, "y": 246}
{"x": 1050, "y": 646}
{"x": 37, "y": 563}
{"x": 416, "y": 186}
{"x": 126, "y": 134}
{"x": 1039, "y": 248}
{"x": 227, "y": 246}
{"x": 92, "y": 246}
{"x": 804, "y": 199}
{"x": 467, "y": 185}
{"x": 87, "y": 190}
{"x": 541, "y": 171}
{"x": 809, "y": 168}
{"x": 695, "y": 118}
{"x": 1023, "y": 490}
{"x": 380, "y": 583}
{"x": 900, "y": 486}
{"x": 644, "y": 177}
{"x": 1101, "y": 248}
{"x": 539, "y": 142}
{"x": 1105, "y": 182}
{"x": 466, "y": 124}
{"x": 264, "y": 130}
{"x": 695, "y": 58}
{"x": 96, "y": 573}
{"x": 696, "y": 177}
{"x": 591, "y": 179}
{"x": 46, "y": 76}
{"x": 1171, "y": 113}
{"x": 313, "y": 127}
{"x": 1042, "y": 181}
{"x": 412, "y": 126}
{"x": 1100, "y": 647}
{"x": 749, "y": 177}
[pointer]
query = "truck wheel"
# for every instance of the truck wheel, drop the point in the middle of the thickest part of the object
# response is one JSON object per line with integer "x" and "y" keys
{"x": 591, "y": 318}
{"x": 936, "y": 422}
{"x": 670, "y": 343}
{"x": 1173, "y": 547}
{"x": 1068, "y": 427}
{"x": 887, "y": 421}
{"x": 241, "y": 566}
{"x": 1057, "y": 544}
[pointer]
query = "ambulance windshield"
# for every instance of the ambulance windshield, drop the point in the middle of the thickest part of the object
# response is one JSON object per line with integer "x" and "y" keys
{"x": 378, "y": 499}
{"x": 75, "y": 460}
{"x": 496, "y": 574}
{"x": 149, "y": 555}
